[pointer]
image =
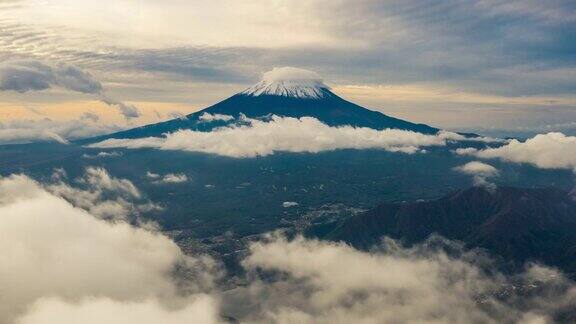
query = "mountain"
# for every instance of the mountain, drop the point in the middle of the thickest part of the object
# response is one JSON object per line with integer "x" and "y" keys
{"x": 517, "y": 224}
{"x": 288, "y": 92}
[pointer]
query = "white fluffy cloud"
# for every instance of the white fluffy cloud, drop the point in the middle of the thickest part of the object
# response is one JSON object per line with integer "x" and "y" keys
{"x": 201, "y": 309}
{"x": 207, "y": 117}
{"x": 478, "y": 168}
{"x": 547, "y": 151}
{"x": 306, "y": 134}
{"x": 56, "y": 257}
{"x": 480, "y": 172}
{"x": 102, "y": 195}
{"x": 333, "y": 283}
{"x": 167, "y": 178}
{"x": 61, "y": 264}
{"x": 32, "y": 75}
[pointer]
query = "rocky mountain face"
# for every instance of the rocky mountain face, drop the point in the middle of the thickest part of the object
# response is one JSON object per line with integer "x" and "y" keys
{"x": 520, "y": 225}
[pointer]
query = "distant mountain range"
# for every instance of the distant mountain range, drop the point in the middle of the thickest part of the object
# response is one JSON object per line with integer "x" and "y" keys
{"x": 287, "y": 92}
{"x": 517, "y": 224}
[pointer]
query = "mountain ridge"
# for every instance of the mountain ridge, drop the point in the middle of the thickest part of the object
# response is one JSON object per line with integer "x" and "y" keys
{"x": 518, "y": 224}
{"x": 305, "y": 96}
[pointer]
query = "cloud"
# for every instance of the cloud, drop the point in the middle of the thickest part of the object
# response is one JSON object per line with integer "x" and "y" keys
{"x": 546, "y": 151}
{"x": 102, "y": 195}
{"x": 175, "y": 178}
{"x": 280, "y": 74}
{"x": 167, "y": 178}
{"x": 478, "y": 168}
{"x": 32, "y": 75}
{"x": 102, "y": 155}
{"x": 29, "y": 75}
{"x": 45, "y": 129}
{"x": 201, "y": 309}
{"x": 59, "y": 263}
{"x": 59, "y": 257}
{"x": 207, "y": 117}
{"x": 177, "y": 114}
{"x": 306, "y": 134}
{"x": 480, "y": 171}
{"x": 323, "y": 282}
{"x": 127, "y": 110}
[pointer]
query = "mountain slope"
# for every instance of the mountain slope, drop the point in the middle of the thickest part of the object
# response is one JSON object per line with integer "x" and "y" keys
{"x": 517, "y": 224}
{"x": 285, "y": 92}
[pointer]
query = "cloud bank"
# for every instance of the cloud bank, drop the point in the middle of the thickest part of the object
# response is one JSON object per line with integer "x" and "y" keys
{"x": 95, "y": 271}
{"x": 322, "y": 282}
{"x": 32, "y": 75}
{"x": 286, "y": 134}
{"x": 546, "y": 151}
{"x": 61, "y": 264}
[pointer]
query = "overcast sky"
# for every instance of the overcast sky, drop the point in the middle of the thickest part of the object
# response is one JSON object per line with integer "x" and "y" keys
{"x": 450, "y": 63}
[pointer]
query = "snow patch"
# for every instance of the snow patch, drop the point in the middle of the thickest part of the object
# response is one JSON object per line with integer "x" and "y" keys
{"x": 289, "y": 82}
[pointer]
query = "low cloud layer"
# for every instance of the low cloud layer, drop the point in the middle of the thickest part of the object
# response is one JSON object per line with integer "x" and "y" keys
{"x": 546, "y": 151}
{"x": 202, "y": 309}
{"x": 61, "y": 264}
{"x": 27, "y": 131}
{"x": 95, "y": 271}
{"x": 32, "y": 75}
{"x": 322, "y": 282}
{"x": 287, "y": 134}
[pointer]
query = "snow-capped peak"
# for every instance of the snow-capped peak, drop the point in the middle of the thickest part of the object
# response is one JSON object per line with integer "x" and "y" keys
{"x": 289, "y": 82}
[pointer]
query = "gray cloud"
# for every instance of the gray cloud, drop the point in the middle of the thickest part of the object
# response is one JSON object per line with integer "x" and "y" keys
{"x": 477, "y": 46}
{"x": 32, "y": 75}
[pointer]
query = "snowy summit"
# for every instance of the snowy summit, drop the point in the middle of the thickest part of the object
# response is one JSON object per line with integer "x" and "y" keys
{"x": 289, "y": 82}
